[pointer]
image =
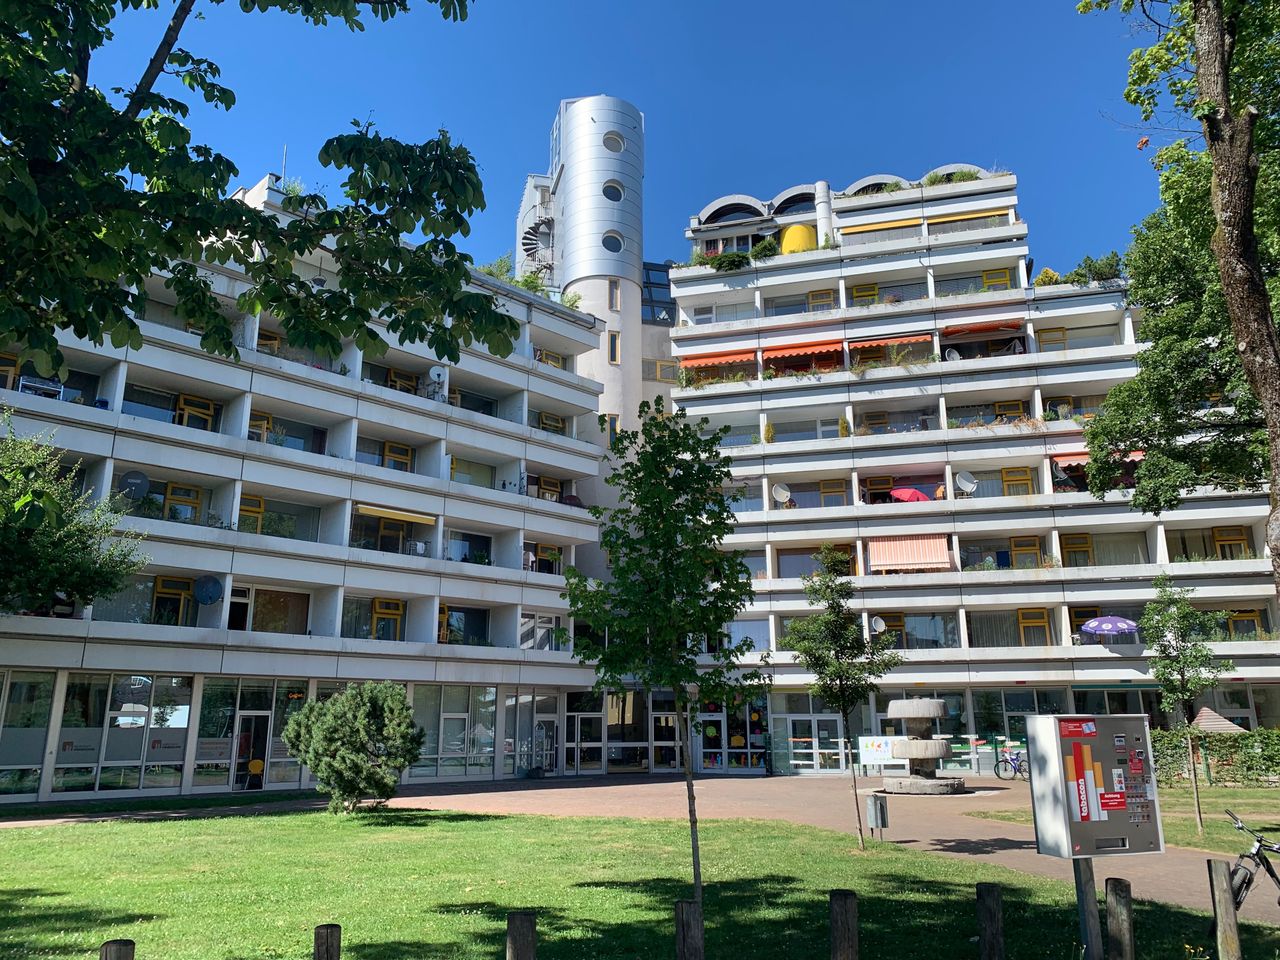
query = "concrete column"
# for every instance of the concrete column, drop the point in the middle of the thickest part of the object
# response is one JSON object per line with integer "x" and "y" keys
{"x": 98, "y": 478}
{"x": 1046, "y": 476}
{"x": 859, "y": 558}
{"x": 213, "y": 616}
{"x": 225, "y": 502}
{"x": 937, "y": 343}
{"x": 508, "y": 549}
{"x": 351, "y": 357}
{"x": 193, "y": 734}
{"x": 962, "y": 621}
{"x": 335, "y": 522}
{"x": 955, "y": 545}
{"x": 1064, "y": 626}
{"x": 247, "y": 329}
{"x": 1127, "y": 333}
{"x": 822, "y": 201}
{"x": 326, "y": 611}
{"x": 504, "y": 626}
{"x": 52, "y": 735}
{"x": 111, "y": 384}
{"x": 930, "y": 290}
{"x": 942, "y": 412}
{"x": 1157, "y": 544}
{"x": 771, "y": 561}
{"x": 1055, "y": 546}
{"x": 1032, "y": 345}
{"x": 235, "y": 415}
{"x": 948, "y": 478}
{"x": 1037, "y": 404}
{"x": 855, "y": 490}
{"x": 1023, "y": 282}
{"x": 758, "y": 296}
{"x": 341, "y": 440}
{"x": 842, "y": 293}
{"x": 421, "y": 619}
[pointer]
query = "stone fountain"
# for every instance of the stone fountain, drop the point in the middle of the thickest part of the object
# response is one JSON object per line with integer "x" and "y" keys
{"x": 920, "y": 750}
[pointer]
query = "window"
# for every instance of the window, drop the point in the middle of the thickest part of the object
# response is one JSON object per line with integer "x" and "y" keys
{"x": 269, "y": 611}
{"x": 615, "y": 294}
{"x": 402, "y": 380}
{"x": 549, "y": 488}
{"x": 1082, "y": 615}
{"x": 468, "y": 471}
{"x": 397, "y": 456}
{"x": 1025, "y": 552}
{"x": 549, "y": 357}
{"x": 388, "y": 619}
{"x": 463, "y": 547}
{"x": 664, "y": 371}
{"x": 173, "y": 602}
{"x": 548, "y": 558}
{"x": 464, "y": 625}
{"x": 612, "y": 242}
{"x": 1230, "y": 543}
{"x": 196, "y": 412}
{"x": 1010, "y": 408}
{"x": 1033, "y": 627}
{"x": 1016, "y": 481}
{"x": 269, "y": 342}
{"x": 1052, "y": 339}
{"x": 613, "y": 142}
{"x": 1077, "y": 549}
{"x": 878, "y": 489}
{"x": 822, "y": 300}
{"x": 612, "y": 422}
{"x": 551, "y": 422}
{"x": 1062, "y": 406}
{"x": 894, "y": 624}
{"x": 392, "y": 535}
{"x": 1244, "y": 624}
{"x": 615, "y": 347}
{"x": 8, "y": 371}
{"x": 252, "y": 509}
{"x": 612, "y": 190}
{"x": 876, "y": 422}
{"x": 996, "y": 279}
{"x": 182, "y": 503}
{"x": 865, "y": 294}
{"x": 259, "y": 425}
{"x": 833, "y": 493}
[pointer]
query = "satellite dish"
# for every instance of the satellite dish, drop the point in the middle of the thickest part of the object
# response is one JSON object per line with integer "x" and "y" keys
{"x": 877, "y": 625}
{"x": 1058, "y": 473}
{"x": 952, "y": 354}
{"x": 134, "y": 485}
{"x": 965, "y": 482}
{"x": 437, "y": 374}
{"x": 207, "y": 590}
{"x": 781, "y": 492}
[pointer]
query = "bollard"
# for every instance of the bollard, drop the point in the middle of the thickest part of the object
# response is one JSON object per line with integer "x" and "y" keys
{"x": 844, "y": 925}
{"x": 328, "y": 942}
{"x": 117, "y": 950}
{"x": 689, "y": 943}
{"x": 990, "y": 922}
{"x": 1119, "y": 919}
{"x": 1224, "y": 911}
{"x": 522, "y": 935}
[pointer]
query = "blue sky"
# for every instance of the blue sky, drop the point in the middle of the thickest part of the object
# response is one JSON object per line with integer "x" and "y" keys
{"x": 746, "y": 97}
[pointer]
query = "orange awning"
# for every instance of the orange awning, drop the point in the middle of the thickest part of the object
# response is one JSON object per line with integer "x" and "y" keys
{"x": 889, "y": 341}
{"x": 989, "y": 327}
{"x": 805, "y": 349}
{"x": 716, "y": 359}
{"x": 929, "y": 551}
{"x": 1071, "y": 459}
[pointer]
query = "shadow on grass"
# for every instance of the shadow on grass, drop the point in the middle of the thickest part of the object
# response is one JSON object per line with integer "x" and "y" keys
{"x": 972, "y": 846}
{"x": 31, "y": 918}
{"x": 403, "y": 817}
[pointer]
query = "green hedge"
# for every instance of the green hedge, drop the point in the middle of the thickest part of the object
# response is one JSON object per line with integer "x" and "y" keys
{"x": 1244, "y": 758}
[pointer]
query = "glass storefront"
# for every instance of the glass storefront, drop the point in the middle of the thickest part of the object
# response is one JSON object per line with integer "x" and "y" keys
{"x": 459, "y": 725}
{"x": 735, "y": 736}
{"x": 240, "y": 737}
{"x": 26, "y": 699}
{"x": 531, "y": 734}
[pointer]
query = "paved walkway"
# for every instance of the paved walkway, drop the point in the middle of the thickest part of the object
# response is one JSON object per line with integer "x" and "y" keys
{"x": 936, "y": 824}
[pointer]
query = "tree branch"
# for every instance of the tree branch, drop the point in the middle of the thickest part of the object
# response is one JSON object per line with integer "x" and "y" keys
{"x": 158, "y": 59}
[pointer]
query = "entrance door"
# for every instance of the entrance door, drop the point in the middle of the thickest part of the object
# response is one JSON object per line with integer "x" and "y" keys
{"x": 814, "y": 744}
{"x": 545, "y": 745}
{"x": 584, "y": 748}
{"x": 251, "y": 751}
{"x": 829, "y": 754}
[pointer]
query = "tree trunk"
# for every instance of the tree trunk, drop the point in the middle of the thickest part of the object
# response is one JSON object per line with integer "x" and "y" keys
{"x": 1195, "y": 783}
{"x": 686, "y": 750}
{"x": 1229, "y": 139}
{"x": 853, "y": 772}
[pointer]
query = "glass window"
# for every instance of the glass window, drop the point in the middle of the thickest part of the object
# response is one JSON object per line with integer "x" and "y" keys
{"x": 255, "y": 694}
{"x": 24, "y": 729}
{"x": 612, "y": 242}
{"x": 279, "y": 611}
{"x": 170, "y": 718}
{"x": 83, "y": 714}
{"x": 469, "y": 471}
{"x": 466, "y": 625}
{"x": 613, "y": 142}
{"x": 628, "y": 720}
{"x": 612, "y": 190}
{"x": 754, "y": 632}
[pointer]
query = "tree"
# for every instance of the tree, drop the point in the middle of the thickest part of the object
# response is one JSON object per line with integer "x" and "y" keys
{"x": 357, "y": 743}
{"x": 1183, "y": 663}
{"x": 499, "y": 269}
{"x": 58, "y": 545}
{"x": 1216, "y": 62}
{"x": 846, "y": 664}
{"x": 102, "y": 190}
{"x": 1089, "y": 270}
{"x": 660, "y": 622}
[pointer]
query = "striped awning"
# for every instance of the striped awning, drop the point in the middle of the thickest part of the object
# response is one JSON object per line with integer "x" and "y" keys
{"x": 805, "y": 349}
{"x": 1071, "y": 459}
{"x": 928, "y": 551}
{"x": 889, "y": 341}
{"x": 716, "y": 359}
{"x": 993, "y": 326}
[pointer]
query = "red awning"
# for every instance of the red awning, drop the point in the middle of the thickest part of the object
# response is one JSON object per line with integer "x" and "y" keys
{"x": 993, "y": 326}
{"x": 930, "y": 551}
{"x": 805, "y": 349}
{"x": 716, "y": 359}
{"x": 1071, "y": 459}
{"x": 889, "y": 341}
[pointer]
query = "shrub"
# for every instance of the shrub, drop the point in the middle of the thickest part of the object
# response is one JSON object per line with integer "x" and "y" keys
{"x": 766, "y": 248}
{"x": 768, "y": 433}
{"x": 571, "y": 300}
{"x": 963, "y": 176}
{"x": 356, "y": 743}
{"x": 731, "y": 260}
{"x": 1089, "y": 270}
{"x": 933, "y": 179}
{"x": 533, "y": 283}
{"x": 1240, "y": 758}
{"x": 1047, "y": 278}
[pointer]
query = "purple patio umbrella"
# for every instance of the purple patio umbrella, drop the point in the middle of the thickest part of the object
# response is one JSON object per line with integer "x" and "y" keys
{"x": 1100, "y": 627}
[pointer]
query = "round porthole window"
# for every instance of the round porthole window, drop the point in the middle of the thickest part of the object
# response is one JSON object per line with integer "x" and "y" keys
{"x": 612, "y": 190}
{"x": 612, "y": 242}
{"x": 614, "y": 143}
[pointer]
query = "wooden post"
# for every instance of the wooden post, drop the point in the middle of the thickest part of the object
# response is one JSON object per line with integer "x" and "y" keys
{"x": 522, "y": 935}
{"x": 990, "y": 922}
{"x": 1087, "y": 908}
{"x": 116, "y": 950}
{"x": 328, "y": 942}
{"x": 689, "y": 944}
{"x": 1119, "y": 919}
{"x": 844, "y": 925}
{"x": 1224, "y": 911}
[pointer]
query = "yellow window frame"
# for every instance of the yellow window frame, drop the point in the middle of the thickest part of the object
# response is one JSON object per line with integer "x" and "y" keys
{"x": 833, "y": 489}
{"x": 1032, "y": 618}
{"x": 1082, "y": 615}
{"x": 269, "y": 342}
{"x": 552, "y": 486}
{"x": 877, "y": 418}
{"x": 1077, "y": 543}
{"x": 1024, "y": 547}
{"x": 191, "y": 408}
{"x": 1229, "y": 537}
{"x": 169, "y": 587}
{"x": 822, "y": 300}
{"x": 252, "y": 507}
{"x": 552, "y": 422}
{"x": 894, "y": 623}
{"x": 455, "y": 398}
{"x": 442, "y": 624}
{"x": 871, "y": 355}
{"x": 182, "y": 495}
{"x": 865, "y": 294}
{"x": 391, "y": 611}
{"x": 393, "y": 528}
{"x": 1057, "y": 403}
{"x": 8, "y": 371}
{"x": 997, "y": 279}
{"x": 1052, "y": 337}
{"x": 1011, "y": 408}
{"x": 548, "y": 551}
{"x": 672, "y": 371}
{"x": 1011, "y": 478}
{"x": 1242, "y": 617}
{"x": 259, "y": 423}
{"x": 397, "y": 453}
{"x": 549, "y": 357}
{"x": 402, "y": 380}
{"x": 615, "y": 347}
{"x": 879, "y": 484}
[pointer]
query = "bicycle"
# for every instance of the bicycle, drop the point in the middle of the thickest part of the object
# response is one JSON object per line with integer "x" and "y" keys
{"x": 1013, "y": 765}
{"x": 1246, "y": 866}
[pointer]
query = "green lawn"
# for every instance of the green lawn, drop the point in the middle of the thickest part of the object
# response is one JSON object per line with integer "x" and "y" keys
{"x": 413, "y": 885}
{"x": 1259, "y": 807}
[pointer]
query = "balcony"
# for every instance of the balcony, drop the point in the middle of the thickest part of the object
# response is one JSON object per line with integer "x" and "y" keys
{"x": 391, "y": 531}
{"x": 163, "y": 406}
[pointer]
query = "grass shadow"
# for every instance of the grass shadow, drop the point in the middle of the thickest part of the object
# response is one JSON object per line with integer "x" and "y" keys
{"x": 31, "y": 919}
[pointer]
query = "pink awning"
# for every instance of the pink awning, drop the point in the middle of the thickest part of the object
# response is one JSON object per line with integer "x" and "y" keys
{"x": 929, "y": 551}
{"x": 718, "y": 359}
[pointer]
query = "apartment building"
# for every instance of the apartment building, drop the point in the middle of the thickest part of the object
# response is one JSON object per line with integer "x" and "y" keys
{"x": 309, "y": 522}
{"x": 894, "y": 385}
